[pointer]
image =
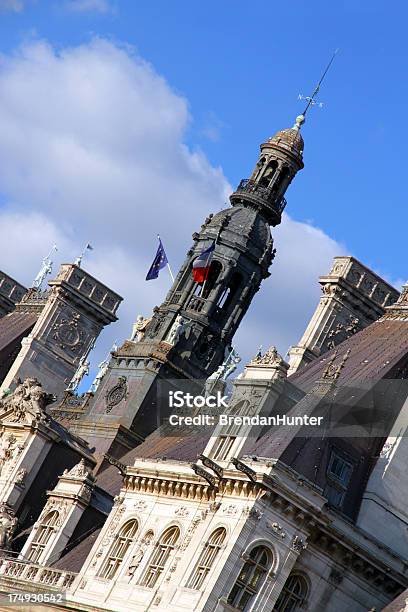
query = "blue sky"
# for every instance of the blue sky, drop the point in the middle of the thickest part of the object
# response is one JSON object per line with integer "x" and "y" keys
{"x": 238, "y": 68}
{"x": 241, "y": 66}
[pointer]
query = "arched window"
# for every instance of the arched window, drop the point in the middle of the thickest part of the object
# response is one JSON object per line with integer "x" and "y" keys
{"x": 284, "y": 178}
{"x": 121, "y": 544}
{"x": 48, "y": 526}
{"x": 266, "y": 178}
{"x": 160, "y": 556}
{"x": 207, "y": 558}
{"x": 222, "y": 447}
{"x": 250, "y": 578}
{"x": 293, "y": 594}
{"x": 230, "y": 291}
{"x": 212, "y": 277}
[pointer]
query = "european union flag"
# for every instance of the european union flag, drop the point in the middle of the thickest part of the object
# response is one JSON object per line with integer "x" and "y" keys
{"x": 160, "y": 261}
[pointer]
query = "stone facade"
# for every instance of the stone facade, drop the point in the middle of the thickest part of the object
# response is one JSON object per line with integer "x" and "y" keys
{"x": 76, "y": 309}
{"x": 352, "y": 298}
{"x": 102, "y": 501}
{"x": 11, "y": 292}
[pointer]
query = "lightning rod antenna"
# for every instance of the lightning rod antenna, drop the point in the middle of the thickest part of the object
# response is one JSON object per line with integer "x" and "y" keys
{"x": 316, "y": 91}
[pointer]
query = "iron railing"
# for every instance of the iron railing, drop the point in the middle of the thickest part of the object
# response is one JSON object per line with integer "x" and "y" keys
{"x": 265, "y": 193}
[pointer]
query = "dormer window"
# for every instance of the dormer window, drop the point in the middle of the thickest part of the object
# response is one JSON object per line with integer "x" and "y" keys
{"x": 338, "y": 474}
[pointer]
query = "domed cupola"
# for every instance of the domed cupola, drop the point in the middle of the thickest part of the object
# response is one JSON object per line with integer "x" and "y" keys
{"x": 280, "y": 159}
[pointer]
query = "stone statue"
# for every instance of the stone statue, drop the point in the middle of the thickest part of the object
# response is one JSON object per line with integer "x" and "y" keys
{"x": 230, "y": 363}
{"x": 271, "y": 358}
{"x": 28, "y": 398}
{"x": 46, "y": 268}
{"x": 103, "y": 368}
{"x": 78, "y": 471}
{"x": 139, "y": 554}
{"x": 176, "y": 330}
{"x": 139, "y": 328}
{"x": 228, "y": 366}
{"x": 83, "y": 370}
{"x": 212, "y": 380}
{"x": 7, "y": 524}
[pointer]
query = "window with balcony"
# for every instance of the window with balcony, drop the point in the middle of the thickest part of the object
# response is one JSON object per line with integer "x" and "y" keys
{"x": 338, "y": 474}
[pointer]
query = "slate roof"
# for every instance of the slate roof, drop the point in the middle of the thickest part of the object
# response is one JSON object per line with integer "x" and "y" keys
{"x": 14, "y": 326}
{"x": 75, "y": 558}
{"x": 377, "y": 352}
{"x": 398, "y": 605}
{"x": 156, "y": 446}
{"x": 374, "y": 352}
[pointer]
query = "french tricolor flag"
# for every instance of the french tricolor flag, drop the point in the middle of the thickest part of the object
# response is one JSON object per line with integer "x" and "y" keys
{"x": 201, "y": 265}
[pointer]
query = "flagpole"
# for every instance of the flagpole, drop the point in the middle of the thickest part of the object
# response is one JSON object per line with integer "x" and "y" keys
{"x": 168, "y": 265}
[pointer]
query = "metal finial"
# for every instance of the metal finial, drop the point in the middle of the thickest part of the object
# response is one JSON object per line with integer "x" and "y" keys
{"x": 311, "y": 99}
{"x": 78, "y": 261}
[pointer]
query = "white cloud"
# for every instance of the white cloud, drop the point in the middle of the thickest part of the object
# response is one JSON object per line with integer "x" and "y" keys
{"x": 15, "y": 6}
{"x": 91, "y": 149}
{"x": 84, "y": 6}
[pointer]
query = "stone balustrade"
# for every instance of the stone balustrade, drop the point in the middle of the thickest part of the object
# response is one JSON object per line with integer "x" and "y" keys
{"x": 37, "y": 575}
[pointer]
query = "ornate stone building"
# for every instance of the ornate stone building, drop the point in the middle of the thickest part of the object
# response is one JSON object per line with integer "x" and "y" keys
{"x": 277, "y": 502}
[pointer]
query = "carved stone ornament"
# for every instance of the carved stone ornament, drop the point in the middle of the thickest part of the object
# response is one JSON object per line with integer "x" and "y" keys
{"x": 385, "y": 451}
{"x": 181, "y": 511}
{"x": 230, "y": 510}
{"x": 7, "y": 524}
{"x": 277, "y": 529}
{"x": 116, "y": 394}
{"x": 271, "y": 358}
{"x": 190, "y": 531}
{"x": 26, "y": 404}
{"x": 139, "y": 554}
{"x": 10, "y": 450}
{"x": 297, "y": 544}
{"x": 78, "y": 471}
{"x": 140, "y": 505}
{"x": 20, "y": 477}
{"x": 333, "y": 370}
{"x": 60, "y": 505}
{"x": 68, "y": 334}
{"x": 114, "y": 523}
{"x": 342, "y": 331}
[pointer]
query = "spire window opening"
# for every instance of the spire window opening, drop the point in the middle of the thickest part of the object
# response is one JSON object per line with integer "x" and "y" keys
{"x": 160, "y": 556}
{"x": 293, "y": 595}
{"x": 207, "y": 558}
{"x": 251, "y": 578}
{"x": 259, "y": 167}
{"x": 284, "y": 179}
{"x": 48, "y": 526}
{"x": 268, "y": 175}
{"x": 212, "y": 277}
{"x": 223, "y": 447}
{"x": 230, "y": 291}
{"x": 122, "y": 543}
